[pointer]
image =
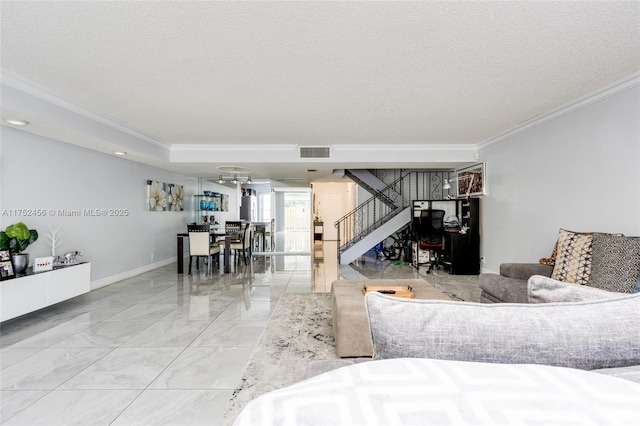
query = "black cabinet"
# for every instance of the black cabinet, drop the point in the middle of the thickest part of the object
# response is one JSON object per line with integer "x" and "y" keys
{"x": 318, "y": 231}
{"x": 463, "y": 254}
{"x": 464, "y": 246}
{"x": 461, "y": 244}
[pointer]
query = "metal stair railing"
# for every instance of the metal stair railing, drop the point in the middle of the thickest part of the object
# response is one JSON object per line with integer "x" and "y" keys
{"x": 354, "y": 177}
{"x": 378, "y": 209}
{"x": 413, "y": 185}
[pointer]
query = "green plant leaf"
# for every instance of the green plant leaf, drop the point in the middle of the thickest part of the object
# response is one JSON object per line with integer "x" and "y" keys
{"x": 4, "y": 241}
{"x": 17, "y": 237}
{"x": 33, "y": 236}
{"x": 18, "y": 230}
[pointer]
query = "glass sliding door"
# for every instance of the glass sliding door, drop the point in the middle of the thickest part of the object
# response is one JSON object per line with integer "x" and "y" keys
{"x": 293, "y": 222}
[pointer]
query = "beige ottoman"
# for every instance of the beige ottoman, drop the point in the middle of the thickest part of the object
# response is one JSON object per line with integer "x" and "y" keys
{"x": 350, "y": 322}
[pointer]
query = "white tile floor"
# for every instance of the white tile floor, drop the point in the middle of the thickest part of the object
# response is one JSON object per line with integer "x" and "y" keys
{"x": 158, "y": 348}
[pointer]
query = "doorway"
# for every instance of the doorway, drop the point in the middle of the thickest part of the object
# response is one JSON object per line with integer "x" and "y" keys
{"x": 329, "y": 210}
{"x": 293, "y": 222}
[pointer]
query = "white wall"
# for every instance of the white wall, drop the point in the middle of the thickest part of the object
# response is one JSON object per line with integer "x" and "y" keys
{"x": 579, "y": 171}
{"x": 331, "y": 201}
{"x": 40, "y": 173}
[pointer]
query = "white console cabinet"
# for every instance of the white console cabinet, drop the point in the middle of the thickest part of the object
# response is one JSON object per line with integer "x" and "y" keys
{"x": 31, "y": 292}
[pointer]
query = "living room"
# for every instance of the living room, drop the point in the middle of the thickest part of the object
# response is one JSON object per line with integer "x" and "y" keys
{"x": 570, "y": 160}
{"x": 586, "y": 161}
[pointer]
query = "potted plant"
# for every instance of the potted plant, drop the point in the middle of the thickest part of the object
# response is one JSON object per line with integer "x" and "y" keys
{"x": 17, "y": 238}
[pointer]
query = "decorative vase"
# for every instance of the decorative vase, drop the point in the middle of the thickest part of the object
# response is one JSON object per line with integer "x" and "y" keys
{"x": 210, "y": 205}
{"x": 203, "y": 204}
{"x": 20, "y": 262}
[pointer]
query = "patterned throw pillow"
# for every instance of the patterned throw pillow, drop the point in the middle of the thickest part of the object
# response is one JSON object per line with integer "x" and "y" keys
{"x": 616, "y": 263}
{"x": 573, "y": 261}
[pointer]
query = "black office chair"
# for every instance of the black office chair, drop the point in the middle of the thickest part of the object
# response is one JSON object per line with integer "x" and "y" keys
{"x": 431, "y": 235}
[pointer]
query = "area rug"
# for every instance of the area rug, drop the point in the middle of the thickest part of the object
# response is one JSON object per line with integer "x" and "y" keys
{"x": 300, "y": 331}
{"x": 450, "y": 294}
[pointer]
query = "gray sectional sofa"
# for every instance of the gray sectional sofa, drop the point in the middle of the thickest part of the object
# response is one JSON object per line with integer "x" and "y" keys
{"x": 604, "y": 261}
{"x": 552, "y": 360}
{"x": 565, "y": 349}
{"x": 510, "y": 286}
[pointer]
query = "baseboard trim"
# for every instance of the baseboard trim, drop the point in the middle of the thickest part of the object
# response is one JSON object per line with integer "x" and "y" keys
{"x": 131, "y": 273}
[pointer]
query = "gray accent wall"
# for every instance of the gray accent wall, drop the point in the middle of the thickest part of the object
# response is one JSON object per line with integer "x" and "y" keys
{"x": 41, "y": 173}
{"x": 578, "y": 171}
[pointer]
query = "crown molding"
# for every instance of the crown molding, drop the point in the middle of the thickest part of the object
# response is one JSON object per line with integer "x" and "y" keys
{"x": 28, "y": 86}
{"x": 37, "y": 90}
{"x": 614, "y": 88}
{"x": 408, "y": 147}
{"x": 289, "y": 153}
{"x": 350, "y": 147}
{"x": 194, "y": 147}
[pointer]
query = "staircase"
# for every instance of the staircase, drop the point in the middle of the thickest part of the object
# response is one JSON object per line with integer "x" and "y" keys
{"x": 386, "y": 212}
{"x": 369, "y": 240}
{"x": 372, "y": 184}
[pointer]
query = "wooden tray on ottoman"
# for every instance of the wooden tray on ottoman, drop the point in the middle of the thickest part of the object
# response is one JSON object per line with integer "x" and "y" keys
{"x": 390, "y": 290}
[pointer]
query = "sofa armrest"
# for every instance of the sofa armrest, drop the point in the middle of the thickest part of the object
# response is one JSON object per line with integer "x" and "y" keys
{"x": 499, "y": 289}
{"x": 523, "y": 271}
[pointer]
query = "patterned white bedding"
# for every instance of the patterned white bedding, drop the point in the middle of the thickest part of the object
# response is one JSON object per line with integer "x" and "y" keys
{"x": 436, "y": 392}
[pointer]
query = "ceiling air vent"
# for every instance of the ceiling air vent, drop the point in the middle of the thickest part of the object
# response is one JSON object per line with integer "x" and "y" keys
{"x": 314, "y": 152}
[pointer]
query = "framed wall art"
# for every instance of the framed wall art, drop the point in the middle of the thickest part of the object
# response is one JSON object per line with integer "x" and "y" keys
{"x": 471, "y": 181}
{"x": 162, "y": 197}
{"x": 156, "y": 196}
{"x": 175, "y": 196}
{"x": 6, "y": 265}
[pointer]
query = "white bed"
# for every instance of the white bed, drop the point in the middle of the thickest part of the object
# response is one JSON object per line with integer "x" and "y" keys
{"x": 436, "y": 392}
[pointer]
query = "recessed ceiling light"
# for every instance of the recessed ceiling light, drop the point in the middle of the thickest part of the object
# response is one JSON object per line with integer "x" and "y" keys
{"x": 120, "y": 153}
{"x": 15, "y": 122}
{"x": 312, "y": 170}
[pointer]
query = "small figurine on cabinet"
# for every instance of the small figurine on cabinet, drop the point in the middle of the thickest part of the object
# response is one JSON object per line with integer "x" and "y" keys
{"x": 70, "y": 257}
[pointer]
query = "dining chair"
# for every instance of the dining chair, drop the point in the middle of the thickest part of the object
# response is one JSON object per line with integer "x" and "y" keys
{"x": 200, "y": 246}
{"x": 234, "y": 226}
{"x": 243, "y": 245}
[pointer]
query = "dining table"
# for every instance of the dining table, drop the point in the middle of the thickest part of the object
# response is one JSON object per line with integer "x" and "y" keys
{"x": 215, "y": 236}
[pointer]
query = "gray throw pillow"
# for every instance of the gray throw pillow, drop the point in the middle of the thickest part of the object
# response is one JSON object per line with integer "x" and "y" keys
{"x": 542, "y": 289}
{"x": 615, "y": 263}
{"x": 586, "y": 335}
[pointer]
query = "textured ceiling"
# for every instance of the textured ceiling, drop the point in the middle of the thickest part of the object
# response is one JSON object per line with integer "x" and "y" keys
{"x": 321, "y": 73}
